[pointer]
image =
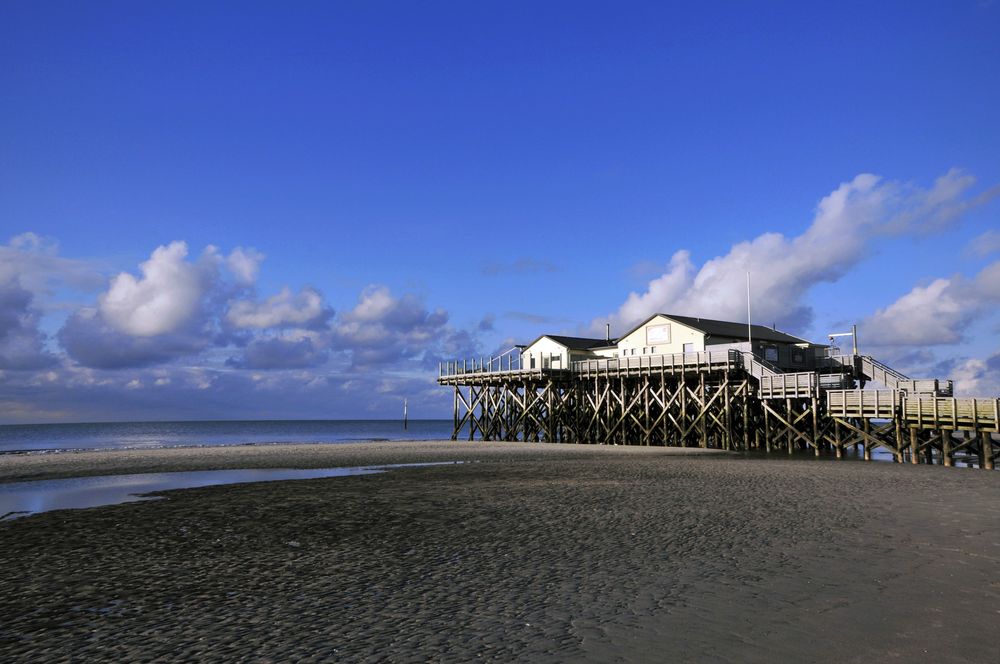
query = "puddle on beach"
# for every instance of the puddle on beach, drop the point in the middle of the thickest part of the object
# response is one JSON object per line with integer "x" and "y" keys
{"x": 18, "y": 499}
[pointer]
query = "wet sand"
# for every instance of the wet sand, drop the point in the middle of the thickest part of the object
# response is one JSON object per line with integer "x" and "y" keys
{"x": 532, "y": 553}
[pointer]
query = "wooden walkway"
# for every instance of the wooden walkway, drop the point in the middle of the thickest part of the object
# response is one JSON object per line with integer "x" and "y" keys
{"x": 727, "y": 400}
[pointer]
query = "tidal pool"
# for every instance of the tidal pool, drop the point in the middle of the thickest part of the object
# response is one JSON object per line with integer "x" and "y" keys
{"x": 18, "y": 499}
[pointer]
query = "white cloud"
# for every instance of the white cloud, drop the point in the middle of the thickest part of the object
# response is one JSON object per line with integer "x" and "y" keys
{"x": 926, "y": 315}
{"x": 383, "y": 328}
{"x": 375, "y": 303}
{"x": 33, "y": 261}
{"x": 937, "y": 313}
{"x": 244, "y": 264}
{"x": 984, "y": 244}
{"x": 34, "y": 244}
{"x": 970, "y": 377}
{"x": 281, "y": 310}
{"x": 166, "y": 296}
{"x": 784, "y": 269}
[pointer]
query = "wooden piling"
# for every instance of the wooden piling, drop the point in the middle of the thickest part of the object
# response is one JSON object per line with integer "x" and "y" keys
{"x": 986, "y": 447}
{"x": 709, "y": 404}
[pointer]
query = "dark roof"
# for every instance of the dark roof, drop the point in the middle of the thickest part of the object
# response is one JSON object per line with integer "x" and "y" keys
{"x": 576, "y": 343}
{"x": 726, "y": 329}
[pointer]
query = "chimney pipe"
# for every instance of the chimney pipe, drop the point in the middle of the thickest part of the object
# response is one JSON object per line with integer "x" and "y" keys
{"x": 607, "y": 332}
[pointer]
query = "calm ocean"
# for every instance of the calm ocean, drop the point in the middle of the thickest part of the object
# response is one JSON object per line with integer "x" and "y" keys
{"x": 126, "y": 435}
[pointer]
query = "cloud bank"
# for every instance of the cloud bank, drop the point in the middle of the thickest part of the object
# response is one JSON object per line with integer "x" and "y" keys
{"x": 186, "y": 334}
{"x": 935, "y": 314}
{"x": 189, "y": 334}
{"x": 784, "y": 269}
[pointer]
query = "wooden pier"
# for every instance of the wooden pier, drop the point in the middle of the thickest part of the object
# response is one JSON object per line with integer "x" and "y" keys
{"x": 725, "y": 399}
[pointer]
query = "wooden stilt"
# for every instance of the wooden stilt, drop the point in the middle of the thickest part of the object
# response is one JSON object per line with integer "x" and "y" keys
{"x": 865, "y": 443}
{"x": 815, "y": 423}
{"x": 704, "y": 403}
{"x": 986, "y": 448}
{"x": 789, "y": 440}
{"x": 454, "y": 431}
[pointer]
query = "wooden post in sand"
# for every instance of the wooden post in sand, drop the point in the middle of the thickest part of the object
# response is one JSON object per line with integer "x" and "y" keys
{"x": 815, "y": 423}
{"x": 767, "y": 432}
{"x": 986, "y": 449}
{"x": 454, "y": 431}
{"x": 789, "y": 436}
{"x": 746, "y": 416}
{"x": 866, "y": 443}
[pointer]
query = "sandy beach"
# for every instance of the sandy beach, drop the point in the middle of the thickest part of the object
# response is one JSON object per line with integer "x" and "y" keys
{"x": 540, "y": 553}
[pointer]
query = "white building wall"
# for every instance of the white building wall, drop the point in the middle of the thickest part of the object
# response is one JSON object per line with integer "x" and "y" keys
{"x": 661, "y": 336}
{"x": 546, "y": 354}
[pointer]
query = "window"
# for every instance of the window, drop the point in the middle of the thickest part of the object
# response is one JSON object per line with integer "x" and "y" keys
{"x": 652, "y": 350}
{"x": 688, "y": 348}
{"x": 633, "y": 351}
{"x": 658, "y": 334}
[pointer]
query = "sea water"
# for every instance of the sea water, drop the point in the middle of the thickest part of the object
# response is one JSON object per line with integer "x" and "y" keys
{"x": 146, "y": 435}
{"x": 23, "y": 498}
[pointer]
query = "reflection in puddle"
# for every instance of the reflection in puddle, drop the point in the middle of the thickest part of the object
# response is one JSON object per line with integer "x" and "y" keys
{"x": 23, "y": 498}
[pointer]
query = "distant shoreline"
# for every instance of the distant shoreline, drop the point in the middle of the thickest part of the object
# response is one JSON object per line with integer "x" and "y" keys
{"x": 71, "y": 450}
{"x": 21, "y": 439}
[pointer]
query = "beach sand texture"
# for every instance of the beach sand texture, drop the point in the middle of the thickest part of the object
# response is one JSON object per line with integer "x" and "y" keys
{"x": 537, "y": 553}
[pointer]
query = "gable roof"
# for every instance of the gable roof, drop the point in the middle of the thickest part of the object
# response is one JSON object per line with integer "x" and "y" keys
{"x": 726, "y": 329}
{"x": 575, "y": 343}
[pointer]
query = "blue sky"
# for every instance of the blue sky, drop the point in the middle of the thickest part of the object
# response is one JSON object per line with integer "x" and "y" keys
{"x": 388, "y": 184}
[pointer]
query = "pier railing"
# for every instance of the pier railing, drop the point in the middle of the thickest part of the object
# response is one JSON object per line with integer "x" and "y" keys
{"x": 710, "y": 360}
{"x": 837, "y": 361}
{"x": 948, "y": 412}
{"x": 714, "y": 360}
{"x": 879, "y": 404}
{"x": 926, "y": 386}
{"x": 481, "y": 365}
{"x": 788, "y": 386}
{"x": 773, "y": 382}
{"x": 757, "y": 366}
{"x": 921, "y": 411}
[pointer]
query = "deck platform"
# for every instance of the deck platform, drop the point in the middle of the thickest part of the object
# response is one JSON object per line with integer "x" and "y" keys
{"x": 726, "y": 399}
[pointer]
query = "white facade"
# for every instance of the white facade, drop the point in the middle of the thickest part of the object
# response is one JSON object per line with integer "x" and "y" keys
{"x": 545, "y": 353}
{"x": 660, "y": 336}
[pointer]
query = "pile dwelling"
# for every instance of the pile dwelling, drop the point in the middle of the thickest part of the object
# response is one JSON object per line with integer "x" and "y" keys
{"x": 693, "y": 382}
